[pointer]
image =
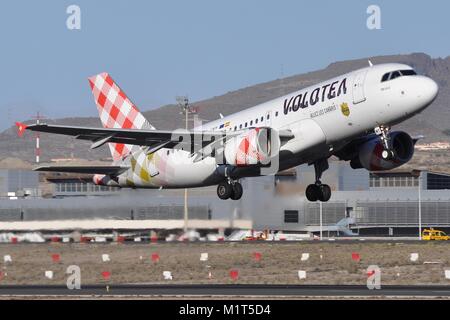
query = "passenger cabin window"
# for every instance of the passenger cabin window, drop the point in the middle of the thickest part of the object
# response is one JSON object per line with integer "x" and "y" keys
{"x": 256, "y": 121}
{"x": 240, "y": 126}
{"x": 396, "y": 74}
{"x": 235, "y": 127}
{"x": 251, "y": 122}
{"x": 246, "y": 124}
{"x": 276, "y": 114}
{"x": 262, "y": 119}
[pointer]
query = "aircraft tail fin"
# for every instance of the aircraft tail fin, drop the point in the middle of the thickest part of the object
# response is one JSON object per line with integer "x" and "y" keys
{"x": 116, "y": 111}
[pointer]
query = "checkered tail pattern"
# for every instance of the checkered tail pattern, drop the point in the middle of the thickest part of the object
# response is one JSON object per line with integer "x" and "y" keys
{"x": 116, "y": 111}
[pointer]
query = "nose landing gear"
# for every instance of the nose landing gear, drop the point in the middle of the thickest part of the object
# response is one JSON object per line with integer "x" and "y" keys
{"x": 383, "y": 132}
{"x": 319, "y": 191}
{"x": 229, "y": 190}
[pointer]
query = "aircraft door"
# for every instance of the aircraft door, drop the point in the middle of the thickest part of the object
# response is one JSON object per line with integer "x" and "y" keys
{"x": 358, "y": 87}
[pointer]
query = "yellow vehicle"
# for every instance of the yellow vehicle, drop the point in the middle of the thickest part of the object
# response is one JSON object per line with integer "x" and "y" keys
{"x": 432, "y": 234}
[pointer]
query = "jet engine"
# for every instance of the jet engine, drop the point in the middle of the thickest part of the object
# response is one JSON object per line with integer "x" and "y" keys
{"x": 369, "y": 153}
{"x": 256, "y": 146}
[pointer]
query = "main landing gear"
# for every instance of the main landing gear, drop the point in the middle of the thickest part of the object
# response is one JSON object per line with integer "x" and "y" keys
{"x": 383, "y": 132}
{"x": 229, "y": 190}
{"x": 319, "y": 191}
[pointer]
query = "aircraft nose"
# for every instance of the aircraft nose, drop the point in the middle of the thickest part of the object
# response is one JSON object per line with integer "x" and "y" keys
{"x": 429, "y": 90}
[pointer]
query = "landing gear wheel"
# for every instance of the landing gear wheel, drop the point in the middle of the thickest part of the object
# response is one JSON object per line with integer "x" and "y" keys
{"x": 387, "y": 154}
{"x": 321, "y": 192}
{"x": 312, "y": 192}
{"x": 325, "y": 192}
{"x": 237, "y": 191}
{"x": 224, "y": 190}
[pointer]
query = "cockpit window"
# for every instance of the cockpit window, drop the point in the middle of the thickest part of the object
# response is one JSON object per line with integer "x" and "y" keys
{"x": 408, "y": 72}
{"x": 399, "y": 73}
{"x": 394, "y": 75}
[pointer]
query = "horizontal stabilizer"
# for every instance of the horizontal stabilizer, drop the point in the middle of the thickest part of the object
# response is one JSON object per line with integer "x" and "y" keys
{"x": 113, "y": 170}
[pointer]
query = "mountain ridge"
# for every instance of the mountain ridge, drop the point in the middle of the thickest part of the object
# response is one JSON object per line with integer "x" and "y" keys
{"x": 433, "y": 122}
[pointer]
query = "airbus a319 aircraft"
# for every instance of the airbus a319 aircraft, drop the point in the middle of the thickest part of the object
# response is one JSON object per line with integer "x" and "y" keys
{"x": 349, "y": 117}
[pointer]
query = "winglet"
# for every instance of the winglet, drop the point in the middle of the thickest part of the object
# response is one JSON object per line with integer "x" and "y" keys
{"x": 21, "y": 127}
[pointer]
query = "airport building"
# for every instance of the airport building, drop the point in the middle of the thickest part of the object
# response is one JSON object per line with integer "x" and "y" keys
{"x": 18, "y": 183}
{"x": 377, "y": 203}
{"x": 385, "y": 203}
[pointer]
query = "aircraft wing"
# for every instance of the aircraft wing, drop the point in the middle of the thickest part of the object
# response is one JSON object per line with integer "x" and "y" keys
{"x": 115, "y": 170}
{"x": 151, "y": 138}
{"x": 155, "y": 139}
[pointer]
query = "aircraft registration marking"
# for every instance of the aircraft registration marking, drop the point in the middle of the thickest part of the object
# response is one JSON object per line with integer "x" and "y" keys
{"x": 323, "y": 111}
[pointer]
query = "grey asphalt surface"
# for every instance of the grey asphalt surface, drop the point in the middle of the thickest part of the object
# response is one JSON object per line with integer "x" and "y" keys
{"x": 252, "y": 242}
{"x": 227, "y": 290}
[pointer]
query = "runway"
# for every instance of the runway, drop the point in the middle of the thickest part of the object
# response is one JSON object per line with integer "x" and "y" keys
{"x": 344, "y": 241}
{"x": 231, "y": 291}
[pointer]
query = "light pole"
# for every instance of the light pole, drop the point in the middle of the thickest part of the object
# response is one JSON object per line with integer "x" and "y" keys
{"x": 420, "y": 206}
{"x": 320, "y": 218}
{"x": 38, "y": 117}
{"x": 183, "y": 102}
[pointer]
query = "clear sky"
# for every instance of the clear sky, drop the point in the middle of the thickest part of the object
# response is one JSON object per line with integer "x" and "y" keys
{"x": 156, "y": 50}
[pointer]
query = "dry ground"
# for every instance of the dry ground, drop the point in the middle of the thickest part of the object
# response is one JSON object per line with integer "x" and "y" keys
{"x": 279, "y": 263}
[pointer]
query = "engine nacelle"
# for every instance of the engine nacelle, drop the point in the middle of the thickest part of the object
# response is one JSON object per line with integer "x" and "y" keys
{"x": 256, "y": 146}
{"x": 369, "y": 155}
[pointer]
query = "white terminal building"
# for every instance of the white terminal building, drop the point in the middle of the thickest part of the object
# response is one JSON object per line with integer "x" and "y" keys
{"x": 365, "y": 203}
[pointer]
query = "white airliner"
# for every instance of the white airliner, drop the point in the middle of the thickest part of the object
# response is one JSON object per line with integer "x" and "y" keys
{"x": 348, "y": 116}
